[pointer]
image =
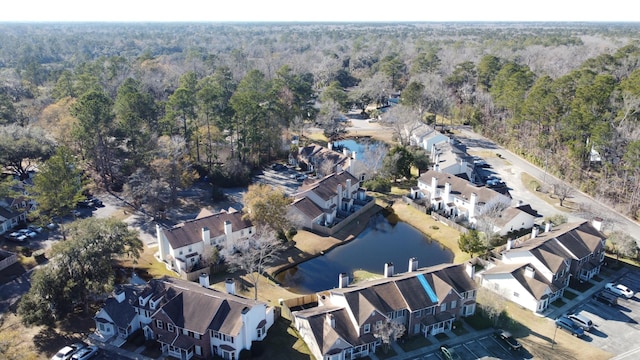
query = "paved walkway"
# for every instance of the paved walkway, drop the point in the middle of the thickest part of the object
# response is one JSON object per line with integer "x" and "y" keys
{"x": 122, "y": 352}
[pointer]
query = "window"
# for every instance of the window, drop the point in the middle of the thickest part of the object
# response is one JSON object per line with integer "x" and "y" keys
{"x": 196, "y": 336}
{"x": 180, "y": 252}
{"x": 101, "y": 327}
{"x": 515, "y": 294}
{"x": 170, "y": 327}
{"x": 453, "y": 304}
{"x": 159, "y": 324}
{"x": 443, "y": 307}
{"x": 198, "y": 350}
{"x": 378, "y": 324}
{"x": 367, "y": 328}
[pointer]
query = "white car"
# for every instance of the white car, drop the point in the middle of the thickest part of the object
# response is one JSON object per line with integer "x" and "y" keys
{"x": 67, "y": 352}
{"x": 619, "y": 290}
{"x": 86, "y": 353}
{"x": 28, "y": 233}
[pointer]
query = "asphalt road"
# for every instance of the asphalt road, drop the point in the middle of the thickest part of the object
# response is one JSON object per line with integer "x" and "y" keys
{"x": 513, "y": 166}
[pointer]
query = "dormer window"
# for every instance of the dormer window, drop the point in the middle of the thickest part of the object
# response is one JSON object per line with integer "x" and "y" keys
{"x": 366, "y": 328}
{"x": 170, "y": 327}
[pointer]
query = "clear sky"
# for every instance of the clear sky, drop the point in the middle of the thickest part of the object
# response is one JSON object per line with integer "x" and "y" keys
{"x": 318, "y": 10}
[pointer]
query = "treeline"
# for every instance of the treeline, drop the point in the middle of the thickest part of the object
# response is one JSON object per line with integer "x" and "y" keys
{"x": 150, "y": 107}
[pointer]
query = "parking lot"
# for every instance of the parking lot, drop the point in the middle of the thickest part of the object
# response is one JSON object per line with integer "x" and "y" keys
{"x": 484, "y": 346}
{"x": 283, "y": 178}
{"x": 615, "y": 327}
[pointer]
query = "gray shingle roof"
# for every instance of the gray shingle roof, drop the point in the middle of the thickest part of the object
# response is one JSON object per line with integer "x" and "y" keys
{"x": 190, "y": 232}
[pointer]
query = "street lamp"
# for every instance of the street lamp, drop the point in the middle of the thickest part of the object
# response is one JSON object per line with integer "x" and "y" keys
{"x": 546, "y": 156}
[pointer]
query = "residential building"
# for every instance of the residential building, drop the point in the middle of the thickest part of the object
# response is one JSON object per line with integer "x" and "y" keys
{"x": 183, "y": 246}
{"x": 534, "y": 270}
{"x": 14, "y": 210}
{"x": 516, "y": 218}
{"x": 425, "y": 301}
{"x": 450, "y": 159}
{"x": 187, "y": 319}
{"x": 322, "y": 160}
{"x": 455, "y": 197}
{"x": 426, "y": 137}
{"x": 325, "y": 202}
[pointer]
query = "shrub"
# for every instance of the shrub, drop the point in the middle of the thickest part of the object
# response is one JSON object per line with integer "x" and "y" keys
{"x": 378, "y": 185}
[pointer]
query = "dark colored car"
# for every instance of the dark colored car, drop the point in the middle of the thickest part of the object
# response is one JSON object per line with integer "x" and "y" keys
{"x": 568, "y": 325}
{"x": 508, "y": 339}
{"x": 606, "y": 297}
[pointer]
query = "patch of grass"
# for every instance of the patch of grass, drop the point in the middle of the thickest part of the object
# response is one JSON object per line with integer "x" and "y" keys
{"x": 283, "y": 342}
{"x": 458, "y": 329}
{"x": 362, "y": 275}
{"x": 597, "y": 278}
{"x": 570, "y": 295}
{"x": 559, "y": 303}
{"x": 580, "y": 286}
{"x": 414, "y": 343}
{"x": 478, "y": 321}
{"x": 381, "y": 354}
{"x": 442, "y": 337}
{"x": 152, "y": 350}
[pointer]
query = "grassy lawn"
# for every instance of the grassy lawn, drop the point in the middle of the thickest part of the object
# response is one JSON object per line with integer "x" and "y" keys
{"x": 458, "y": 329}
{"x": 442, "y": 337}
{"x": 282, "y": 342}
{"x": 478, "y": 321}
{"x": 388, "y": 354}
{"x": 559, "y": 303}
{"x": 414, "y": 343}
{"x": 570, "y": 295}
{"x": 580, "y": 286}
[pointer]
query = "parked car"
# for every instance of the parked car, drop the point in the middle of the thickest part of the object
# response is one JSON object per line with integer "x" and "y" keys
{"x": 584, "y": 322}
{"x": 619, "y": 290}
{"x": 28, "y": 233}
{"x": 52, "y": 226}
{"x": 86, "y": 353}
{"x": 508, "y": 339}
{"x": 67, "y": 352}
{"x": 606, "y": 297}
{"x": 568, "y": 325}
{"x": 448, "y": 353}
{"x": 17, "y": 237}
{"x": 35, "y": 228}
{"x": 95, "y": 202}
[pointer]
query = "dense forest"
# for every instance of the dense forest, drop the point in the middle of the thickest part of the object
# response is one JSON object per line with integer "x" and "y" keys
{"x": 147, "y": 108}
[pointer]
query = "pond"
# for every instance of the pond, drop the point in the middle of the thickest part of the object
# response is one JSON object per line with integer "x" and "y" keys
{"x": 379, "y": 243}
{"x": 362, "y": 146}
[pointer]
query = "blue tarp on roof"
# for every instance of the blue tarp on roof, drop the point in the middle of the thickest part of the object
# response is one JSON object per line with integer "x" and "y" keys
{"x": 427, "y": 288}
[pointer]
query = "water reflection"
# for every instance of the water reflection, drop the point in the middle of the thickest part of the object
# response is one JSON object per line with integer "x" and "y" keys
{"x": 380, "y": 243}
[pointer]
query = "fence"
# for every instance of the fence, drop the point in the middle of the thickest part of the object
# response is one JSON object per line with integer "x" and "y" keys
{"x": 299, "y": 302}
{"x": 8, "y": 259}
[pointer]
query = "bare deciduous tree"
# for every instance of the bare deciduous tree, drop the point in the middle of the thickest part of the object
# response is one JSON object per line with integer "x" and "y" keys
{"x": 562, "y": 191}
{"x": 488, "y": 216}
{"x": 253, "y": 255}
{"x": 623, "y": 244}
{"x": 404, "y": 122}
{"x": 493, "y": 303}
{"x": 387, "y": 332}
